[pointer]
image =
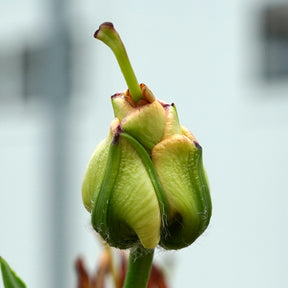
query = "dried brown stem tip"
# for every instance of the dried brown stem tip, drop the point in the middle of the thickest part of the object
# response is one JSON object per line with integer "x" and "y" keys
{"x": 105, "y": 25}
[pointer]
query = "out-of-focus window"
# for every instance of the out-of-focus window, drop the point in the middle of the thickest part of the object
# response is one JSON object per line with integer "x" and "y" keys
{"x": 275, "y": 37}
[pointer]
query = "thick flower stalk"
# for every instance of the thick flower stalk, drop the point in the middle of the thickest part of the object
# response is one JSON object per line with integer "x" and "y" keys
{"x": 145, "y": 184}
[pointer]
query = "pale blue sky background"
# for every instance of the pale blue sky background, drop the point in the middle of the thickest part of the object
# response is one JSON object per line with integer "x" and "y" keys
{"x": 206, "y": 57}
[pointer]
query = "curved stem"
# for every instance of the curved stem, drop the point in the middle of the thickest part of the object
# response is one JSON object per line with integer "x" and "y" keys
{"x": 139, "y": 268}
{"x": 107, "y": 34}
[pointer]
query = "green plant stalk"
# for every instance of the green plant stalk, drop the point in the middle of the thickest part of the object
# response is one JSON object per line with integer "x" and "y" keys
{"x": 140, "y": 259}
{"x": 107, "y": 34}
{"x": 139, "y": 268}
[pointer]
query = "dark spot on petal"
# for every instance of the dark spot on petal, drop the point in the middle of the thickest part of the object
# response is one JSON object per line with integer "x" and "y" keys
{"x": 117, "y": 95}
{"x": 116, "y": 135}
{"x": 197, "y": 145}
{"x": 164, "y": 104}
{"x": 166, "y": 107}
{"x": 118, "y": 129}
{"x": 116, "y": 138}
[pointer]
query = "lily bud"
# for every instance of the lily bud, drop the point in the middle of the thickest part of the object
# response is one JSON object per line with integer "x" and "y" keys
{"x": 145, "y": 183}
{"x": 119, "y": 194}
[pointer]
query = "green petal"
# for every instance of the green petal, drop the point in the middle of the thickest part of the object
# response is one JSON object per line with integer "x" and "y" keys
{"x": 178, "y": 162}
{"x": 96, "y": 168}
{"x": 172, "y": 122}
{"x": 146, "y": 124}
{"x": 134, "y": 200}
{"x": 95, "y": 173}
{"x": 125, "y": 205}
{"x": 121, "y": 106}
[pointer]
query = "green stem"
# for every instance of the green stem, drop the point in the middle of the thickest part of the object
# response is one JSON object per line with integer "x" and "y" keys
{"x": 139, "y": 267}
{"x": 107, "y": 34}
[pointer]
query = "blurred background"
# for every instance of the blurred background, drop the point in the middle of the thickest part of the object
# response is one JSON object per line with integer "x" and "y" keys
{"x": 224, "y": 64}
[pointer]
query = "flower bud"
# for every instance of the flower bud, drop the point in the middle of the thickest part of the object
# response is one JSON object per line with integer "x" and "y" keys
{"x": 145, "y": 180}
{"x": 119, "y": 194}
{"x": 178, "y": 162}
{"x": 145, "y": 183}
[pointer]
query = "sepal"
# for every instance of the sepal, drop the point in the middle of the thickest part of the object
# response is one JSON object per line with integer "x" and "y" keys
{"x": 178, "y": 163}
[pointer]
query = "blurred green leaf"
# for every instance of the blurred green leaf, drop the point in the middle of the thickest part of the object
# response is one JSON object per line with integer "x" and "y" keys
{"x": 10, "y": 279}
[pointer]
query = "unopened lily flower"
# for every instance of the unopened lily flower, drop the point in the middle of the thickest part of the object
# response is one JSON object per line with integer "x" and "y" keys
{"x": 145, "y": 183}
